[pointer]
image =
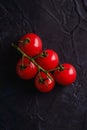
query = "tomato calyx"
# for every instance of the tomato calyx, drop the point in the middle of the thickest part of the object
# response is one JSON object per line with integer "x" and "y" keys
{"x": 23, "y": 67}
{"x": 44, "y": 54}
{"x": 25, "y": 41}
{"x": 61, "y": 68}
{"x": 42, "y": 81}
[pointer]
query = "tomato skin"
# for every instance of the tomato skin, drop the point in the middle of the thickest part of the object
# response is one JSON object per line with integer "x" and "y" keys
{"x": 45, "y": 86}
{"x": 50, "y": 61}
{"x": 28, "y": 72}
{"x": 66, "y": 76}
{"x": 33, "y": 47}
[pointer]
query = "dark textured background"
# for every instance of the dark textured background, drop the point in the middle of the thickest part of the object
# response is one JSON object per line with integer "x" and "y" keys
{"x": 62, "y": 25}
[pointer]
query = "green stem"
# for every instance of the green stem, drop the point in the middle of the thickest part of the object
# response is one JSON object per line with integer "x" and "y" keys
{"x": 57, "y": 68}
{"x": 32, "y": 60}
{"x": 60, "y": 68}
{"x": 42, "y": 54}
{"x": 35, "y": 57}
{"x": 25, "y": 41}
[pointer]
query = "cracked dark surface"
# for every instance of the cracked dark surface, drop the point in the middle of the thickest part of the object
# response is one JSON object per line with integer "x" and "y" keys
{"x": 62, "y": 25}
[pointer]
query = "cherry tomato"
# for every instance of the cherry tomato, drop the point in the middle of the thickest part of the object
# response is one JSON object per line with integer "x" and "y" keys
{"x": 31, "y": 44}
{"x": 48, "y": 59}
{"x": 43, "y": 83}
{"x": 66, "y": 75}
{"x": 26, "y": 69}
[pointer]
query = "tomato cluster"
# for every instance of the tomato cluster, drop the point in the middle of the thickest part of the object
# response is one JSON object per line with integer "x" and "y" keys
{"x": 42, "y": 65}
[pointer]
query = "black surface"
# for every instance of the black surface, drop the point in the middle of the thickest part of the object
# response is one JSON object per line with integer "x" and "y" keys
{"x": 62, "y": 25}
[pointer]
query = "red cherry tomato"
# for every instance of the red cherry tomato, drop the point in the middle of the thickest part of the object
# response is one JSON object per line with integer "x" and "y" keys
{"x": 48, "y": 59}
{"x": 26, "y": 69}
{"x": 43, "y": 83}
{"x": 66, "y": 75}
{"x": 31, "y": 44}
